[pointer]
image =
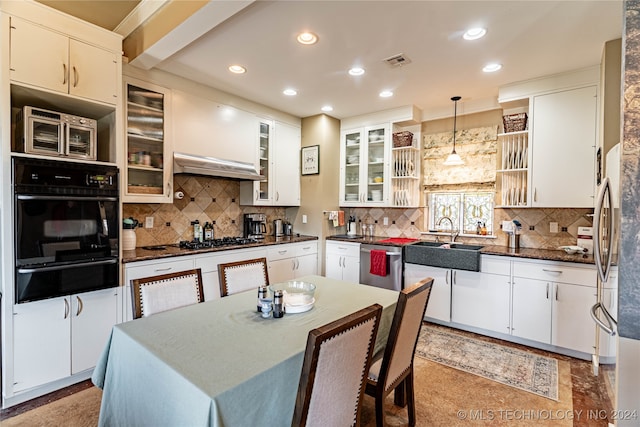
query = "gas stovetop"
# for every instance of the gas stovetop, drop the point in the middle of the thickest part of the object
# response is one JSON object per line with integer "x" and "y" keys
{"x": 216, "y": 243}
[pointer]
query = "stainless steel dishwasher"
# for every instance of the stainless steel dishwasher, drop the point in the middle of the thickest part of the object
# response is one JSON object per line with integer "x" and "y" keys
{"x": 393, "y": 279}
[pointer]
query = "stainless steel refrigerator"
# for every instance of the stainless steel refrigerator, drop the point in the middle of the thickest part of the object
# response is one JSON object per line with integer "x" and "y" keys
{"x": 606, "y": 227}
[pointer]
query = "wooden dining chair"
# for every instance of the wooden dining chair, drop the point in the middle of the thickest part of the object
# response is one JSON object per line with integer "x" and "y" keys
{"x": 151, "y": 295}
{"x": 242, "y": 276}
{"x": 336, "y": 361}
{"x": 394, "y": 370}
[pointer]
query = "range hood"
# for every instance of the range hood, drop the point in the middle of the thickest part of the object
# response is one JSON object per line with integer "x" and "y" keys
{"x": 200, "y": 165}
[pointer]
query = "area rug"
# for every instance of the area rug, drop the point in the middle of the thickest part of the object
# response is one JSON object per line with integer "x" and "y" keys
{"x": 516, "y": 368}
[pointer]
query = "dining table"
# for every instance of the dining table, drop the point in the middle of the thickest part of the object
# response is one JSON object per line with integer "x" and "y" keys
{"x": 219, "y": 362}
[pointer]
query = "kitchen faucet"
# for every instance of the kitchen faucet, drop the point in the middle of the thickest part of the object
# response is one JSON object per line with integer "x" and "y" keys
{"x": 454, "y": 232}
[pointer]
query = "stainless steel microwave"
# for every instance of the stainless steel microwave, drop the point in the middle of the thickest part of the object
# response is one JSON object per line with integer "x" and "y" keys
{"x": 50, "y": 133}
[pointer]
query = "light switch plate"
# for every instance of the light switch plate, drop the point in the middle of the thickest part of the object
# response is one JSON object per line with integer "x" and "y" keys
{"x": 304, "y": 219}
{"x": 385, "y": 221}
{"x": 148, "y": 222}
{"x": 553, "y": 227}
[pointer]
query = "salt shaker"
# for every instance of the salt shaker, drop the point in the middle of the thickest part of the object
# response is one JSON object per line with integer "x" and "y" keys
{"x": 278, "y": 306}
{"x": 262, "y": 294}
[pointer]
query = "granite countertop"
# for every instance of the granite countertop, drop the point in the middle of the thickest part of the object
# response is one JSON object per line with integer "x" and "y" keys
{"x": 541, "y": 254}
{"x": 173, "y": 250}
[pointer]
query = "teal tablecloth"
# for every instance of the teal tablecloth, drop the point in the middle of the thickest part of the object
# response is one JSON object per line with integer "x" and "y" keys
{"x": 219, "y": 363}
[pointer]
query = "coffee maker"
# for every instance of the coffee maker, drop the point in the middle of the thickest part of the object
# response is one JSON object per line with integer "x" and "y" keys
{"x": 255, "y": 225}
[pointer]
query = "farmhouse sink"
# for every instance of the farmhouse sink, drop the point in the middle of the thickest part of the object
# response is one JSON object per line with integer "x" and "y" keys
{"x": 450, "y": 255}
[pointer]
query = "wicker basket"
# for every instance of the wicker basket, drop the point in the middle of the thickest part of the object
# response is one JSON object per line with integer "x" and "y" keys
{"x": 514, "y": 122}
{"x": 402, "y": 139}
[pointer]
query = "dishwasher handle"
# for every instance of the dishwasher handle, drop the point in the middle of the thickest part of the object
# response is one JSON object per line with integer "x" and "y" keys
{"x": 388, "y": 253}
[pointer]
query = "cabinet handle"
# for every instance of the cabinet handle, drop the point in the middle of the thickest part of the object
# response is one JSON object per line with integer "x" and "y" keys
{"x": 163, "y": 269}
{"x": 80, "y": 306}
{"x": 168, "y": 189}
{"x": 282, "y": 252}
{"x": 535, "y": 194}
{"x": 556, "y": 292}
{"x": 63, "y": 148}
{"x": 66, "y": 308}
{"x": 75, "y": 76}
{"x": 64, "y": 74}
{"x": 277, "y": 196}
{"x": 455, "y": 275}
{"x": 547, "y": 291}
{"x": 446, "y": 277}
{"x": 293, "y": 264}
{"x": 552, "y": 271}
{"x": 306, "y": 248}
{"x": 257, "y": 194}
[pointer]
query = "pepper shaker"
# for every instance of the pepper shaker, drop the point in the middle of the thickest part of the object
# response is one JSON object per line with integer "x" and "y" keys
{"x": 262, "y": 294}
{"x": 278, "y": 306}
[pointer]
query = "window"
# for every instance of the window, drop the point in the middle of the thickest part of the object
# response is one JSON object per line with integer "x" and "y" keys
{"x": 465, "y": 210}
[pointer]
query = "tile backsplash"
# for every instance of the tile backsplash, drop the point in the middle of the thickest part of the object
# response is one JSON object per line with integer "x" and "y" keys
{"x": 206, "y": 199}
{"x": 217, "y": 200}
{"x": 535, "y": 225}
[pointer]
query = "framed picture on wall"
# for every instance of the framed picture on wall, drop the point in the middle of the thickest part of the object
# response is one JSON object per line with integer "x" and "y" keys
{"x": 310, "y": 163}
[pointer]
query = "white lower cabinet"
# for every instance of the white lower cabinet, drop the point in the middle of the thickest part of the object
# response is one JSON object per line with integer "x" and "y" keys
{"x": 290, "y": 261}
{"x": 552, "y": 303}
{"x": 207, "y": 263}
{"x": 342, "y": 261}
{"x": 439, "y": 304}
{"x": 539, "y": 301}
{"x": 59, "y": 337}
{"x": 531, "y": 317}
{"x": 480, "y": 300}
{"x": 139, "y": 270}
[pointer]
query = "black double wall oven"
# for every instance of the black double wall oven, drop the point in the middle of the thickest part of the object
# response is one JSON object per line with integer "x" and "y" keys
{"x": 66, "y": 227}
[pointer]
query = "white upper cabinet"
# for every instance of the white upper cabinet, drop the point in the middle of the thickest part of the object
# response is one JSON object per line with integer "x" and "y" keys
{"x": 53, "y": 61}
{"x": 564, "y": 135}
{"x": 364, "y": 166}
{"x": 147, "y": 175}
{"x": 278, "y": 153}
{"x": 209, "y": 128}
{"x": 552, "y": 164}
{"x": 286, "y": 165}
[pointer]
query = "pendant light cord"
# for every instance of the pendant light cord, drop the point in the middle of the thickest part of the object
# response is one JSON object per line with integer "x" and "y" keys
{"x": 455, "y": 100}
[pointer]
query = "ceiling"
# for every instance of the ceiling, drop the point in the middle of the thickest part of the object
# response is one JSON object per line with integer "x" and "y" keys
{"x": 529, "y": 38}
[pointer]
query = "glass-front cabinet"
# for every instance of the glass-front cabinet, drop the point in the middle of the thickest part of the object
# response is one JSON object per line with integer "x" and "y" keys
{"x": 148, "y": 172}
{"x": 364, "y": 159}
{"x": 264, "y": 159}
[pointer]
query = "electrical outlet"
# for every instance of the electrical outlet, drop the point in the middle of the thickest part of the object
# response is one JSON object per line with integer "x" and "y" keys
{"x": 148, "y": 222}
{"x": 553, "y": 227}
{"x": 304, "y": 219}
{"x": 385, "y": 221}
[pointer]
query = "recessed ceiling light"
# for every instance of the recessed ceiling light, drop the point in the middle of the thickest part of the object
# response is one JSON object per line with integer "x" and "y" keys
{"x": 474, "y": 33}
{"x": 307, "y": 38}
{"x": 327, "y": 108}
{"x": 356, "y": 71}
{"x": 290, "y": 92}
{"x": 237, "y": 69}
{"x": 490, "y": 68}
{"x": 386, "y": 94}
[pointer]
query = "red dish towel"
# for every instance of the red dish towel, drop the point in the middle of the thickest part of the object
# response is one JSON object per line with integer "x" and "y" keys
{"x": 340, "y": 218}
{"x": 378, "y": 262}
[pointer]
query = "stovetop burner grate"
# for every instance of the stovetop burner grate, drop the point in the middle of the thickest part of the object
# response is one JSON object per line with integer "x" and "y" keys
{"x": 215, "y": 243}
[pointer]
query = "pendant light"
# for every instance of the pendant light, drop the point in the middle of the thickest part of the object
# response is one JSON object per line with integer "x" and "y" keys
{"x": 454, "y": 159}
